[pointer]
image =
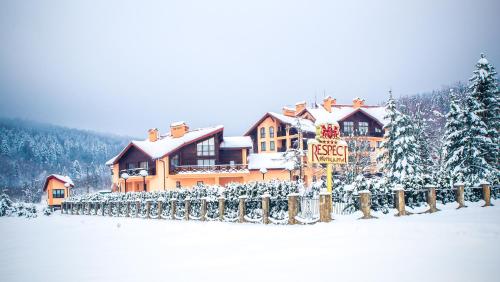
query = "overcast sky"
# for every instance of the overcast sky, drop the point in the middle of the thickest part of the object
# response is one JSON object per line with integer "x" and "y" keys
{"x": 125, "y": 66}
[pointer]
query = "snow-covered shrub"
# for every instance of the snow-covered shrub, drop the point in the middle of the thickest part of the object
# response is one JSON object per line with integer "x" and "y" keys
{"x": 47, "y": 211}
{"x": 25, "y": 210}
{"x": 6, "y": 206}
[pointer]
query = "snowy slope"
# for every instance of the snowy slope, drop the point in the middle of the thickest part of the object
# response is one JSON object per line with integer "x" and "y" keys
{"x": 452, "y": 245}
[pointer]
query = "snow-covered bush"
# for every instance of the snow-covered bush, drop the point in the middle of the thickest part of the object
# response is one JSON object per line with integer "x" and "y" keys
{"x": 6, "y": 206}
{"x": 47, "y": 211}
{"x": 25, "y": 210}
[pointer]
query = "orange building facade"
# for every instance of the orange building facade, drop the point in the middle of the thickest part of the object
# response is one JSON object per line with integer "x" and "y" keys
{"x": 57, "y": 188}
{"x": 273, "y": 148}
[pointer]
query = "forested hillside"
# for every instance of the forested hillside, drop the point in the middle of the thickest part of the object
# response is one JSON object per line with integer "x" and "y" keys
{"x": 29, "y": 151}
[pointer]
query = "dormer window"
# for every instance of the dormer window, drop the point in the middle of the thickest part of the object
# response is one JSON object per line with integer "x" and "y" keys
{"x": 206, "y": 148}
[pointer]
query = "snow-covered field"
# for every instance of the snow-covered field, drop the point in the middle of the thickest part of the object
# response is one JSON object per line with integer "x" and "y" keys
{"x": 452, "y": 245}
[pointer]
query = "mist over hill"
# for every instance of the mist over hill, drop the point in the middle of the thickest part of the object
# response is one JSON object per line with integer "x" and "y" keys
{"x": 29, "y": 151}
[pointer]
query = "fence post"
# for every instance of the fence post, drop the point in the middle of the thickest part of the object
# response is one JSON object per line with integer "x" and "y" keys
{"x": 292, "y": 208}
{"x": 203, "y": 209}
{"x": 173, "y": 206}
{"x": 160, "y": 202}
{"x": 460, "y": 195}
{"x": 399, "y": 193}
{"x": 187, "y": 207}
{"x": 137, "y": 207}
{"x": 110, "y": 213}
{"x": 265, "y": 208}
{"x": 431, "y": 198}
{"x": 325, "y": 206}
{"x": 365, "y": 197}
{"x": 486, "y": 193}
{"x": 102, "y": 207}
{"x": 128, "y": 208}
{"x": 241, "y": 208}
{"x": 148, "y": 208}
{"x": 118, "y": 208}
{"x": 62, "y": 207}
{"x": 222, "y": 202}
{"x": 71, "y": 208}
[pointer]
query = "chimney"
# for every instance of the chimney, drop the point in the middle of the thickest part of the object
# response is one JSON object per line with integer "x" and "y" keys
{"x": 289, "y": 112}
{"x": 328, "y": 102}
{"x": 299, "y": 107}
{"x": 358, "y": 103}
{"x": 178, "y": 129}
{"x": 153, "y": 135}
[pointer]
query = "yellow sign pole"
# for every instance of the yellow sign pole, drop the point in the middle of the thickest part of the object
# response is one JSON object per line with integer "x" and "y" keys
{"x": 329, "y": 178}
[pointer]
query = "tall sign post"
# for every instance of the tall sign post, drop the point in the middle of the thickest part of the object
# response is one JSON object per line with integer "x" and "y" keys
{"x": 328, "y": 149}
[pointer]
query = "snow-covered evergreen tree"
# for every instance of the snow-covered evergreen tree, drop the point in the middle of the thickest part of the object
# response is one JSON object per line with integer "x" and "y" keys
{"x": 484, "y": 89}
{"x": 424, "y": 158}
{"x": 453, "y": 142}
{"x": 389, "y": 137}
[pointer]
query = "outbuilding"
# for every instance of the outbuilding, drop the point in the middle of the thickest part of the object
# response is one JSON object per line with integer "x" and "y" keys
{"x": 57, "y": 188}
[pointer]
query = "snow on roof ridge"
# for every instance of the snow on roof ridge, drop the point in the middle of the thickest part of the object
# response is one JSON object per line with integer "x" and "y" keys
{"x": 236, "y": 142}
{"x": 63, "y": 178}
{"x": 177, "y": 123}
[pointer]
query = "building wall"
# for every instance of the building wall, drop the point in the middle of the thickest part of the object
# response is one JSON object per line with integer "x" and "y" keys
{"x": 268, "y": 122}
{"x": 55, "y": 184}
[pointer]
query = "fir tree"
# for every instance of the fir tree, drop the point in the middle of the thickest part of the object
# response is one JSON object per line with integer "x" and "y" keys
{"x": 484, "y": 89}
{"x": 389, "y": 137}
{"x": 453, "y": 142}
{"x": 424, "y": 158}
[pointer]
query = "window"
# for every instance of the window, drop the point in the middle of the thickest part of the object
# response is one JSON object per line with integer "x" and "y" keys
{"x": 348, "y": 127}
{"x": 58, "y": 193}
{"x": 174, "y": 161}
{"x": 363, "y": 127}
{"x": 378, "y": 130}
{"x": 206, "y": 162}
{"x": 271, "y": 132}
{"x": 271, "y": 146}
{"x": 199, "y": 183}
{"x": 177, "y": 184}
{"x": 379, "y": 144}
{"x": 143, "y": 165}
{"x": 262, "y": 132}
{"x": 262, "y": 146}
{"x": 130, "y": 165}
{"x": 206, "y": 148}
{"x": 232, "y": 163}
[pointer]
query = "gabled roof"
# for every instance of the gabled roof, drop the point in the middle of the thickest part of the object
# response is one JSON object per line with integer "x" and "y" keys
{"x": 341, "y": 112}
{"x": 268, "y": 161}
{"x": 60, "y": 178}
{"x": 236, "y": 142}
{"x": 167, "y": 144}
{"x": 305, "y": 124}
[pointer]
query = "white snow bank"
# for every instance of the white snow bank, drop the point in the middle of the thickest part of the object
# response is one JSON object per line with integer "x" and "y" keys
{"x": 451, "y": 245}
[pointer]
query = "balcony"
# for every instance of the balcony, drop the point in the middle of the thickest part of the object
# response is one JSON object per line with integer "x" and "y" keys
{"x": 225, "y": 168}
{"x": 136, "y": 171}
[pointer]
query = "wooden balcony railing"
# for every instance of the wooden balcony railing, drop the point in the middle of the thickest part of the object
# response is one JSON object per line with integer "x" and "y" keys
{"x": 136, "y": 171}
{"x": 225, "y": 168}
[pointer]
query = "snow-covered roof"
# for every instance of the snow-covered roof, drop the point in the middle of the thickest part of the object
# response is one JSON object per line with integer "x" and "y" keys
{"x": 236, "y": 142}
{"x": 340, "y": 112}
{"x": 174, "y": 124}
{"x": 267, "y": 161}
{"x": 167, "y": 143}
{"x": 305, "y": 124}
{"x": 62, "y": 178}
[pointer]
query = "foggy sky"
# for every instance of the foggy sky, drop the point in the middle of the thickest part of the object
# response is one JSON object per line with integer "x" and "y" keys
{"x": 125, "y": 66}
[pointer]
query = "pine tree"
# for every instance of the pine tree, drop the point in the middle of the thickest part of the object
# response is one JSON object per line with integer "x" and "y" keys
{"x": 476, "y": 144}
{"x": 453, "y": 141}
{"x": 484, "y": 89}
{"x": 424, "y": 158}
{"x": 404, "y": 159}
{"x": 389, "y": 137}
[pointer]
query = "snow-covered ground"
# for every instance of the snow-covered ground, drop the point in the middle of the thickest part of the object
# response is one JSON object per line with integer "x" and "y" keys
{"x": 452, "y": 245}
